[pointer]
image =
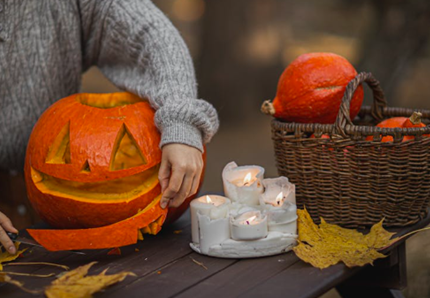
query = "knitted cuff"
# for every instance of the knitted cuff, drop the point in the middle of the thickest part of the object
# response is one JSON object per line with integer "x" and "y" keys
{"x": 182, "y": 133}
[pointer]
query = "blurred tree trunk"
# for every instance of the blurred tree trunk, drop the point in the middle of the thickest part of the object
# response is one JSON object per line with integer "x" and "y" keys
{"x": 233, "y": 75}
{"x": 398, "y": 38}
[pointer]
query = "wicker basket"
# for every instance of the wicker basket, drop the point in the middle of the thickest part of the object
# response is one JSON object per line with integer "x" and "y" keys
{"x": 353, "y": 182}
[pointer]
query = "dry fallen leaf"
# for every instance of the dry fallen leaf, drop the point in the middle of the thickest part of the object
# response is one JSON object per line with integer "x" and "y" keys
{"x": 76, "y": 283}
{"x": 7, "y": 279}
{"x": 7, "y": 257}
{"x": 199, "y": 263}
{"x": 328, "y": 244}
{"x": 38, "y": 263}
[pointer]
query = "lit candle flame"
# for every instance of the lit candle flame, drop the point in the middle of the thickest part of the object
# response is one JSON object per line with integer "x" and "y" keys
{"x": 279, "y": 198}
{"x": 247, "y": 179}
{"x": 251, "y": 219}
{"x": 208, "y": 200}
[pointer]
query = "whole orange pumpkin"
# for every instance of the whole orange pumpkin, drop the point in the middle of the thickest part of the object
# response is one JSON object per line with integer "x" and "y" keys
{"x": 92, "y": 160}
{"x": 311, "y": 88}
{"x": 400, "y": 122}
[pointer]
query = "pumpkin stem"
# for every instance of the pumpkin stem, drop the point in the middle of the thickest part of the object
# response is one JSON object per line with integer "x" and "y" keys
{"x": 268, "y": 108}
{"x": 416, "y": 118}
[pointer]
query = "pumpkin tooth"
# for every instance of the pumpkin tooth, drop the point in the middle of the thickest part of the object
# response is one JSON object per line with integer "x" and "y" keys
{"x": 155, "y": 228}
{"x": 146, "y": 230}
{"x": 139, "y": 235}
{"x": 160, "y": 220}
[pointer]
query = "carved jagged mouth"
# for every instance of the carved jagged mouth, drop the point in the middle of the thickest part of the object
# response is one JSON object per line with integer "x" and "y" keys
{"x": 123, "y": 189}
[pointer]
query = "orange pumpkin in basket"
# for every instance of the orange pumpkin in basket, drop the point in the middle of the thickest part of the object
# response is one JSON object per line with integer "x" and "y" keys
{"x": 311, "y": 88}
{"x": 92, "y": 161}
{"x": 400, "y": 122}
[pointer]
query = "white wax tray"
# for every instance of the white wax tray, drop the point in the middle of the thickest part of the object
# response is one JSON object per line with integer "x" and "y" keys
{"x": 274, "y": 243}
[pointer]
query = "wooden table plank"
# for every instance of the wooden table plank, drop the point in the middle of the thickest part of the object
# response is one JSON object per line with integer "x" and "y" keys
{"x": 301, "y": 280}
{"x": 306, "y": 281}
{"x": 174, "y": 278}
{"x": 154, "y": 252}
{"x": 240, "y": 277}
{"x": 179, "y": 276}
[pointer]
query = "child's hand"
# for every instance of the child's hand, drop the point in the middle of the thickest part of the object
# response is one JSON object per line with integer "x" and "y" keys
{"x": 6, "y": 225}
{"x": 179, "y": 175}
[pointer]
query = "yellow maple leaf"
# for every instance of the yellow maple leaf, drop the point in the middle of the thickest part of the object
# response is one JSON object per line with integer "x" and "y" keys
{"x": 328, "y": 244}
{"x": 7, "y": 257}
{"x": 76, "y": 283}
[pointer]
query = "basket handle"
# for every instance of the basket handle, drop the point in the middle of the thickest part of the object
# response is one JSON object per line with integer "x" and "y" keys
{"x": 379, "y": 102}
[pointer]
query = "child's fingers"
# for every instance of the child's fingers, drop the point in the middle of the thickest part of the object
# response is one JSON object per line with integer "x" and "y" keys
{"x": 183, "y": 192}
{"x": 196, "y": 183}
{"x": 6, "y": 242}
{"x": 173, "y": 188}
{"x": 164, "y": 174}
{"x": 6, "y": 223}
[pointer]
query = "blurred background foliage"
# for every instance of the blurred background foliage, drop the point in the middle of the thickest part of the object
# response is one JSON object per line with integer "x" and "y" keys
{"x": 241, "y": 47}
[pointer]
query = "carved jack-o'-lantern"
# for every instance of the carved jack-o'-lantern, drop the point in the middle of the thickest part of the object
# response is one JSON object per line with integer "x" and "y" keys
{"x": 92, "y": 161}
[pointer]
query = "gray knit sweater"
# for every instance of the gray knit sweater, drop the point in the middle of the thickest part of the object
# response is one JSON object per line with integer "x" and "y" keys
{"x": 45, "y": 45}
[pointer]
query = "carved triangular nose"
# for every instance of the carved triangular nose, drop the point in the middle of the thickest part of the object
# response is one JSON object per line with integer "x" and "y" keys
{"x": 86, "y": 167}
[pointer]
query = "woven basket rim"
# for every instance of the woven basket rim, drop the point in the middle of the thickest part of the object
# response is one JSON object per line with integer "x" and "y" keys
{"x": 353, "y": 130}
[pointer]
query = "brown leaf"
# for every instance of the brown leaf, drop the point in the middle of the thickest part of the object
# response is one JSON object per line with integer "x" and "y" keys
{"x": 199, "y": 263}
{"x": 76, "y": 283}
{"x": 7, "y": 279}
{"x": 7, "y": 257}
{"x": 28, "y": 274}
{"x": 38, "y": 263}
{"x": 327, "y": 244}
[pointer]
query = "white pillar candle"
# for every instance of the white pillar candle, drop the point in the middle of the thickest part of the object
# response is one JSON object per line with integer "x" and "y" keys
{"x": 283, "y": 218}
{"x": 213, "y": 206}
{"x": 275, "y": 186}
{"x": 243, "y": 184}
{"x": 250, "y": 225}
{"x": 279, "y": 202}
{"x": 212, "y": 231}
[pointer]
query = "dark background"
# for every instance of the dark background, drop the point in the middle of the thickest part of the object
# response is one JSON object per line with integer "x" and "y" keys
{"x": 241, "y": 47}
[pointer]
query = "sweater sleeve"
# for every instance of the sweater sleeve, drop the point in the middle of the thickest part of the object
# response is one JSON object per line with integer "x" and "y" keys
{"x": 140, "y": 51}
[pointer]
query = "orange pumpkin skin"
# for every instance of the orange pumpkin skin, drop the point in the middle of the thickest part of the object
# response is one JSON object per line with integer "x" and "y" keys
{"x": 67, "y": 213}
{"x": 92, "y": 128}
{"x": 93, "y": 133}
{"x": 399, "y": 122}
{"x": 311, "y": 88}
{"x": 118, "y": 234}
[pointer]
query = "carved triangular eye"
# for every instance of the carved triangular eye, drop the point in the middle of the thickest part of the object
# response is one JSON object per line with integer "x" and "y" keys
{"x": 126, "y": 153}
{"x": 86, "y": 167}
{"x": 59, "y": 152}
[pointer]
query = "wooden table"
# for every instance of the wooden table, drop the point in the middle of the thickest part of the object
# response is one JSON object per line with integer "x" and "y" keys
{"x": 165, "y": 267}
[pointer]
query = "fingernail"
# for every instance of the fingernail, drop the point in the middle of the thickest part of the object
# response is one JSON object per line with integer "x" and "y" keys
{"x": 12, "y": 250}
{"x": 163, "y": 204}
